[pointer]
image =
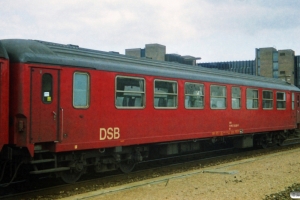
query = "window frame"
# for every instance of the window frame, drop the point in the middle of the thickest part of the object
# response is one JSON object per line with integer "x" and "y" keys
{"x": 203, "y": 96}
{"x": 173, "y": 94}
{"x": 210, "y": 93}
{"x": 142, "y": 93}
{"x": 281, "y": 100}
{"x": 88, "y": 90}
{"x": 263, "y": 99}
{"x": 240, "y": 97}
{"x": 253, "y": 89}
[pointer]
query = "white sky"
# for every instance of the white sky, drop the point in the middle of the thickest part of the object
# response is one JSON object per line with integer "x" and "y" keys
{"x": 215, "y": 30}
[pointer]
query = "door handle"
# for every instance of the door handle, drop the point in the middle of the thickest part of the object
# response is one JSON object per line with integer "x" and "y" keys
{"x": 54, "y": 115}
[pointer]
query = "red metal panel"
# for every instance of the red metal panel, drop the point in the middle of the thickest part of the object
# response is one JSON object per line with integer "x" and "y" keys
{"x": 44, "y": 106}
{"x": 4, "y": 96}
{"x": 137, "y": 126}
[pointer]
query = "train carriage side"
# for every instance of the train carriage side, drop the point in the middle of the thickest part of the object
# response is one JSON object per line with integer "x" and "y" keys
{"x": 4, "y": 96}
{"x": 77, "y": 108}
{"x": 89, "y": 108}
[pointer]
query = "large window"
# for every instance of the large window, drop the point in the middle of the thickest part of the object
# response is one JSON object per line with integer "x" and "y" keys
{"x": 81, "y": 90}
{"x": 236, "y": 98}
{"x": 267, "y": 99}
{"x": 280, "y": 100}
{"x": 130, "y": 92}
{"x": 194, "y": 95}
{"x": 252, "y": 99}
{"x": 165, "y": 94}
{"x": 217, "y": 97}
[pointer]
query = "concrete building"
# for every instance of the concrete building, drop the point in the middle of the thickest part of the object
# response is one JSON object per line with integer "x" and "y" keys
{"x": 297, "y": 71}
{"x": 158, "y": 52}
{"x": 268, "y": 62}
{"x": 244, "y": 67}
{"x": 276, "y": 64}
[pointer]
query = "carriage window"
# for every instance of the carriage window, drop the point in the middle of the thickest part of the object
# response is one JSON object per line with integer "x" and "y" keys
{"x": 81, "y": 90}
{"x": 236, "y": 98}
{"x": 252, "y": 99}
{"x": 130, "y": 92}
{"x": 267, "y": 99}
{"x": 217, "y": 97}
{"x": 280, "y": 100}
{"x": 47, "y": 88}
{"x": 293, "y": 101}
{"x": 194, "y": 95}
{"x": 165, "y": 94}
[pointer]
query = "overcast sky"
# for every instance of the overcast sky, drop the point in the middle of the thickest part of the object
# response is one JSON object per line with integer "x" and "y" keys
{"x": 215, "y": 30}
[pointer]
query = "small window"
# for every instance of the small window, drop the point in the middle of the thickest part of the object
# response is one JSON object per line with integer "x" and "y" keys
{"x": 280, "y": 100}
{"x": 267, "y": 99}
{"x": 293, "y": 101}
{"x": 81, "y": 90}
{"x": 165, "y": 94}
{"x": 194, "y": 95}
{"x": 236, "y": 98}
{"x": 47, "y": 94}
{"x": 252, "y": 99}
{"x": 217, "y": 97}
{"x": 130, "y": 92}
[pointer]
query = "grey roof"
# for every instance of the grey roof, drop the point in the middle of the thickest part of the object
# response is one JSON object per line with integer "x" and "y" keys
{"x": 3, "y": 53}
{"x": 33, "y": 51}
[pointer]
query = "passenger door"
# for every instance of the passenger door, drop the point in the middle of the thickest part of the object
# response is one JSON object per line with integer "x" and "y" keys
{"x": 44, "y": 105}
{"x": 298, "y": 106}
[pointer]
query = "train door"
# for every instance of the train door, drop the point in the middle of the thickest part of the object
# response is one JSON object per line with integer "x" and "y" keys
{"x": 298, "y": 106}
{"x": 44, "y": 105}
{"x": 4, "y": 85}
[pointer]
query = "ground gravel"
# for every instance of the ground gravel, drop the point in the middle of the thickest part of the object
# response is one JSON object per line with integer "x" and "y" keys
{"x": 284, "y": 195}
{"x": 262, "y": 177}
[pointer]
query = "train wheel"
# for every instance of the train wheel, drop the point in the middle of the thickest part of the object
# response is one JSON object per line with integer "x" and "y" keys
{"x": 74, "y": 174}
{"x": 70, "y": 176}
{"x": 127, "y": 166}
{"x": 264, "y": 142}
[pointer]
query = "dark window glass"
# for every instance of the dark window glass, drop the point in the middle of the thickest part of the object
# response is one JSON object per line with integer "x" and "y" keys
{"x": 194, "y": 95}
{"x": 236, "y": 98}
{"x": 47, "y": 93}
{"x": 130, "y": 92}
{"x": 281, "y": 101}
{"x": 218, "y": 97}
{"x": 252, "y": 99}
{"x": 293, "y": 101}
{"x": 165, "y": 94}
{"x": 267, "y": 99}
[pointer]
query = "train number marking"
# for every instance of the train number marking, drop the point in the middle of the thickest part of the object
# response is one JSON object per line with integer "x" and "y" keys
{"x": 109, "y": 133}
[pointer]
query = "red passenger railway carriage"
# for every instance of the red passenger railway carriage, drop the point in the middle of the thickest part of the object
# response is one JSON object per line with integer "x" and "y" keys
{"x": 73, "y": 109}
{"x": 4, "y": 94}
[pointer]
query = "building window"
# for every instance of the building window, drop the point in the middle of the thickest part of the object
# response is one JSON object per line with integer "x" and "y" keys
{"x": 293, "y": 101}
{"x": 47, "y": 95}
{"x": 280, "y": 100}
{"x": 130, "y": 92}
{"x": 252, "y": 99}
{"x": 236, "y": 98}
{"x": 217, "y": 97}
{"x": 81, "y": 90}
{"x": 194, "y": 95}
{"x": 267, "y": 99}
{"x": 165, "y": 94}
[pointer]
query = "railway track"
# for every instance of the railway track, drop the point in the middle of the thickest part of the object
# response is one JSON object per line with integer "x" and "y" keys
{"x": 143, "y": 171}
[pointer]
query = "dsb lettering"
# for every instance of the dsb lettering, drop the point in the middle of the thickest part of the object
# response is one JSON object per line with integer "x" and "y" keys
{"x": 110, "y": 133}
